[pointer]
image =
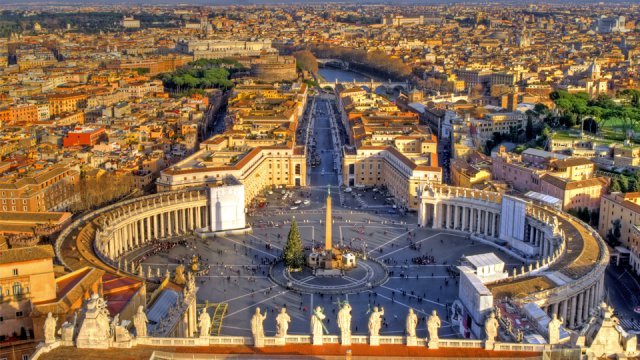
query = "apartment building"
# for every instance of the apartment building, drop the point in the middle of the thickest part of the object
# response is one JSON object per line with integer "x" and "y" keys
{"x": 386, "y": 165}
{"x": 574, "y": 194}
{"x": 524, "y": 171}
{"x": 634, "y": 249}
{"x": 64, "y": 103}
{"x": 51, "y": 189}
{"x": 622, "y": 207}
{"x": 26, "y": 277}
{"x": 503, "y": 123}
{"x": 256, "y": 168}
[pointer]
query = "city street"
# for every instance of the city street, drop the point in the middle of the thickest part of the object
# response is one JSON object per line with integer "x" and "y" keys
{"x": 322, "y": 147}
{"x": 624, "y": 295}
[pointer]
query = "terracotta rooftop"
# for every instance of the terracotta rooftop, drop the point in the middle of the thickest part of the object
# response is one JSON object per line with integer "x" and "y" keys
{"x": 39, "y": 252}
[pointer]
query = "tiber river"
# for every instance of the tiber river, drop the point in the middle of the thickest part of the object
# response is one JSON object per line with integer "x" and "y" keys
{"x": 330, "y": 74}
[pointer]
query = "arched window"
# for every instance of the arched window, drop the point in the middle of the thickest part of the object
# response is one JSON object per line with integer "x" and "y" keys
{"x": 17, "y": 288}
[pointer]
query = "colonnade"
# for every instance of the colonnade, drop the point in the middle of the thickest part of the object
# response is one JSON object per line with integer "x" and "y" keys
{"x": 167, "y": 216}
{"x": 154, "y": 225}
{"x": 574, "y": 309}
{"x": 539, "y": 237}
{"x": 578, "y": 289}
{"x": 471, "y": 218}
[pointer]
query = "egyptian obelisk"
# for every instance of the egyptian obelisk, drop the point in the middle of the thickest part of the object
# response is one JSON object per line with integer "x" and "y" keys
{"x": 327, "y": 240}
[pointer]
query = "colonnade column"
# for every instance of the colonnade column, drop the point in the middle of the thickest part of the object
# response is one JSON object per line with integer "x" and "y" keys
{"x": 572, "y": 312}
{"x": 580, "y": 310}
{"x": 199, "y": 217}
{"x": 436, "y": 223}
{"x": 465, "y": 220}
{"x": 486, "y": 223}
{"x": 162, "y": 226}
{"x": 456, "y": 215}
{"x": 184, "y": 221}
{"x": 116, "y": 245}
{"x": 155, "y": 225}
{"x": 563, "y": 311}
{"x": 148, "y": 238}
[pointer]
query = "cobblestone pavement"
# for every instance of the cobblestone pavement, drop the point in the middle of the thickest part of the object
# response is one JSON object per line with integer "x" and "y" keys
{"x": 239, "y": 269}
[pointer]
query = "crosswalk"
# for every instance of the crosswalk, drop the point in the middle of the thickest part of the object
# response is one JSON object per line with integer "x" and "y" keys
{"x": 341, "y": 196}
{"x": 361, "y": 202}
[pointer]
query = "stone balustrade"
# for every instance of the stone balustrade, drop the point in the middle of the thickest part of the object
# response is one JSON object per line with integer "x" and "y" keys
{"x": 213, "y": 341}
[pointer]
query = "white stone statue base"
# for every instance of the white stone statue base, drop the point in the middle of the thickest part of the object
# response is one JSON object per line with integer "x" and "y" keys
{"x": 345, "y": 340}
{"x": 316, "y": 340}
{"x": 433, "y": 344}
{"x": 280, "y": 341}
{"x": 374, "y": 340}
{"x": 489, "y": 345}
{"x": 412, "y": 341}
{"x": 258, "y": 342}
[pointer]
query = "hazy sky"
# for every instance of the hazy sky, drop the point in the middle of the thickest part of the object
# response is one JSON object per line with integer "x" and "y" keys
{"x": 249, "y": 2}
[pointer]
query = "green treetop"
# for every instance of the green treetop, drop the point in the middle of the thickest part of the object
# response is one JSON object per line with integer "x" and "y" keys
{"x": 293, "y": 255}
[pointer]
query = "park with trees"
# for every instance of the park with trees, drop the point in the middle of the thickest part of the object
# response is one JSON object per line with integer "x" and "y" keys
{"x": 611, "y": 118}
{"x": 202, "y": 74}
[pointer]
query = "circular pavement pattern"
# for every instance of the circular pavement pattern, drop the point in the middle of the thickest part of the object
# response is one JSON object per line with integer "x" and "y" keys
{"x": 365, "y": 276}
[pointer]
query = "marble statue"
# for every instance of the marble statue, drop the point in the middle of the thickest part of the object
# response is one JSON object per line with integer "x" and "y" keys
{"x": 204, "y": 323}
{"x": 50, "y": 329}
{"x": 282, "y": 323}
{"x": 140, "y": 322}
{"x": 375, "y": 321}
{"x": 554, "y": 329}
{"x": 433, "y": 324}
{"x": 412, "y": 322}
{"x": 179, "y": 277}
{"x": 554, "y": 224}
{"x": 95, "y": 329}
{"x": 316, "y": 322}
{"x": 114, "y": 324}
{"x": 344, "y": 320}
{"x": 256, "y": 324}
{"x": 491, "y": 327}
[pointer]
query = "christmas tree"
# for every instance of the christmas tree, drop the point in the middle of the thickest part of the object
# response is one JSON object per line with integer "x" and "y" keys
{"x": 293, "y": 256}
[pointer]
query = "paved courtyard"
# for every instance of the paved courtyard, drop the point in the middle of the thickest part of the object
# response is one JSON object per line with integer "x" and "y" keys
{"x": 418, "y": 261}
{"x": 239, "y": 268}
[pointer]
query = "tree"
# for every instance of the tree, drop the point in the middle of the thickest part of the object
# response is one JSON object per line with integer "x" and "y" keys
{"x": 529, "y": 129}
{"x": 615, "y": 186}
{"x": 293, "y": 256}
{"x": 306, "y": 61}
{"x": 94, "y": 192}
{"x": 613, "y": 235}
